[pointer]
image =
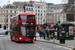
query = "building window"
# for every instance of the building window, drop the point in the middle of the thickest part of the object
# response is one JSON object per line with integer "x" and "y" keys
{"x": 35, "y": 6}
{"x": 10, "y": 15}
{"x": 41, "y": 22}
{"x": 6, "y": 11}
{"x": 38, "y": 10}
{"x": 6, "y": 15}
{"x": 41, "y": 18}
{"x": 25, "y": 4}
{"x": 38, "y": 14}
{"x": 63, "y": 19}
{"x": 10, "y": 11}
{"x": 41, "y": 10}
{"x": 38, "y": 6}
{"x": 38, "y": 22}
{"x": 35, "y": 14}
{"x": 11, "y": 6}
{"x": 15, "y": 11}
{"x": 26, "y": 8}
{"x": 50, "y": 16}
{"x": 44, "y": 7}
{"x": 35, "y": 10}
{"x": 38, "y": 18}
{"x": 44, "y": 14}
{"x": 29, "y": 8}
{"x": 6, "y": 20}
{"x": 41, "y": 7}
{"x": 41, "y": 14}
{"x": 31, "y": 5}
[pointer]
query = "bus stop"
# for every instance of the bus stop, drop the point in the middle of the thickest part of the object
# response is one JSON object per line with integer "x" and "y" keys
{"x": 67, "y": 29}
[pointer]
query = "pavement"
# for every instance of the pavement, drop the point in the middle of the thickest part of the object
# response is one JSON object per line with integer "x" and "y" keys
{"x": 68, "y": 43}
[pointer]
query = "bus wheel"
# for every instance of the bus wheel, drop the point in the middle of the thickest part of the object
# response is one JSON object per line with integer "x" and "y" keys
{"x": 11, "y": 38}
{"x": 31, "y": 41}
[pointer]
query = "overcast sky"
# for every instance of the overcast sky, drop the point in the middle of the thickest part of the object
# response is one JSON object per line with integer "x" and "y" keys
{"x": 3, "y": 2}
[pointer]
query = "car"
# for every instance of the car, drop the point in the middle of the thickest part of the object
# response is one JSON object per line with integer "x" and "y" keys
{"x": 3, "y": 31}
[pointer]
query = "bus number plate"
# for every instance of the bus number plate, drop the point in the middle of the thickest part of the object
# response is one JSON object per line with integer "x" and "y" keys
{"x": 27, "y": 39}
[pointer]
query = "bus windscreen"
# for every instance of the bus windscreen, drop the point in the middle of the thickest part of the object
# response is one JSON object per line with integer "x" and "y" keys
{"x": 27, "y": 31}
{"x": 26, "y": 17}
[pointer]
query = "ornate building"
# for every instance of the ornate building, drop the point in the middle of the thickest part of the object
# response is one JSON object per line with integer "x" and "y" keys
{"x": 70, "y": 10}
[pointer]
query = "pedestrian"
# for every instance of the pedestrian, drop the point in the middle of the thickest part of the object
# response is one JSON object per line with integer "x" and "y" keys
{"x": 47, "y": 32}
{"x": 44, "y": 32}
{"x": 53, "y": 36}
{"x": 40, "y": 32}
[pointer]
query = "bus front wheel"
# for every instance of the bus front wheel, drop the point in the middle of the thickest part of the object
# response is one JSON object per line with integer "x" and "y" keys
{"x": 31, "y": 41}
{"x": 11, "y": 38}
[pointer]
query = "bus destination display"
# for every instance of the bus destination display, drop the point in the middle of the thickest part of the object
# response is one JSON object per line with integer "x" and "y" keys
{"x": 27, "y": 23}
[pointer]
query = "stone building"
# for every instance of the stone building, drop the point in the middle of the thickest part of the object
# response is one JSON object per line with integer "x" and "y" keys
{"x": 7, "y": 12}
{"x": 38, "y": 8}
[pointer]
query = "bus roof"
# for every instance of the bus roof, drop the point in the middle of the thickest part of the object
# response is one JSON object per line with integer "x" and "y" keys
{"x": 25, "y": 13}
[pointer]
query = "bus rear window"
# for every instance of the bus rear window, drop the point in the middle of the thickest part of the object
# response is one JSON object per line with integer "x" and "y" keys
{"x": 26, "y": 17}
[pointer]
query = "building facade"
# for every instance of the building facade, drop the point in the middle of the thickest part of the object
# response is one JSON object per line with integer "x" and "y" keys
{"x": 38, "y": 8}
{"x": 70, "y": 11}
{"x": 44, "y": 12}
{"x": 49, "y": 14}
{"x": 57, "y": 13}
{"x": 7, "y": 12}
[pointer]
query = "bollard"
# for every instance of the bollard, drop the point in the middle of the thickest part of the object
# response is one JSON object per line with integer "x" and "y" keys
{"x": 62, "y": 39}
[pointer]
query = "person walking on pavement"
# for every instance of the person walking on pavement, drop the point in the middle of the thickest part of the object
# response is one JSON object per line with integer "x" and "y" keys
{"x": 40, "y": 32}
{"x": 53, "y": 36}
{"x": 47, "y": 32}
{"x": 44, "y": 32}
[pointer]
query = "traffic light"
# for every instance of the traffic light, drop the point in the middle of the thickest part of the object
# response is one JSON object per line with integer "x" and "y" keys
{"x": 4, "y": 27}
{"x": 55, "y": 26}
{"x": 0, "y": 25}
{"x": 44, "y": 25}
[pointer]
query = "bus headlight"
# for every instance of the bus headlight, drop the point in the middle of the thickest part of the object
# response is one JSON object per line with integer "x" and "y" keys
{"x": 34, "y": 38}
{"x": 20, "y": 38}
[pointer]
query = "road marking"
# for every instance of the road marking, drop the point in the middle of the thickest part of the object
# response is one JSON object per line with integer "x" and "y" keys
{"x": 42, "y": 48}
{"x": 39, "y": 47}
{"x": 64, "y": 47}
{"x": 1, "y": 43}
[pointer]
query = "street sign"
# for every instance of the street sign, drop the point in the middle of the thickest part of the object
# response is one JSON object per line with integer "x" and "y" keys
{"x": 51, "y": 25}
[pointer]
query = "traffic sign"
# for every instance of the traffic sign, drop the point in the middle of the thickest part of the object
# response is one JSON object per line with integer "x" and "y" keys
{"x": 51, "y": 25}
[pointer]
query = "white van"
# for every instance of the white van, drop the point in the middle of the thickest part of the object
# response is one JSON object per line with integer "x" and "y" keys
{"x": 2, "y": 31}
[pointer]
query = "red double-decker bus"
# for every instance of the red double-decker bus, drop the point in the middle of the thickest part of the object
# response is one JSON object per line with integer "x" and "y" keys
{"x": 23, "y": 27}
